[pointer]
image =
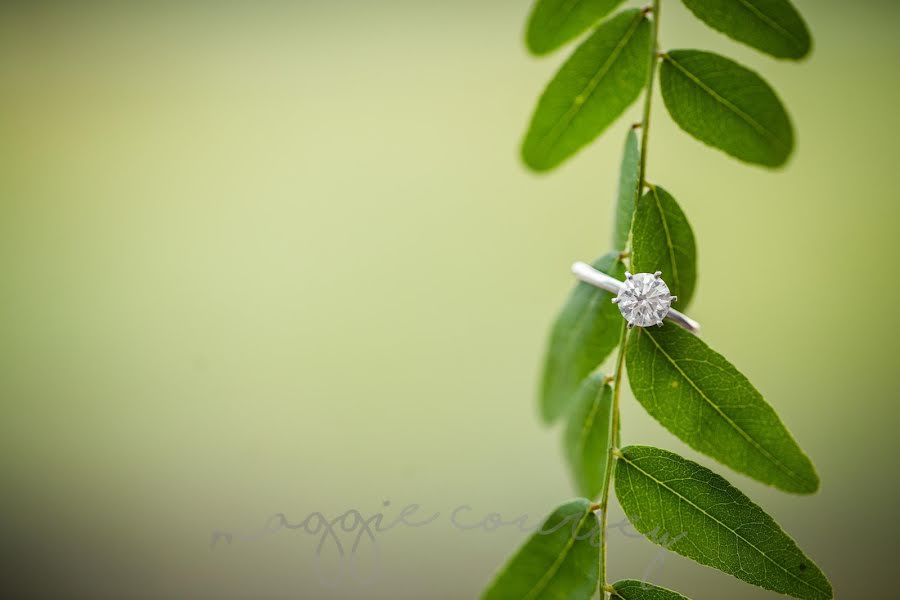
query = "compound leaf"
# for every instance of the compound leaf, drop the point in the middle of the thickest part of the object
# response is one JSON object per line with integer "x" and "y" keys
{"x": 554, "y": 22}
{"x": 587, "y": 437}
{"x": 629, "y": 173}
{"x": 585, "y": 332}
{"x": 630, "y": 589}
{"x": 604, "y": 75}
{"x": 690, "y": 510}
{"x": 701, "y": 398}
{"x": 662, "y": 240}
{"x": 560, "y": 561}
{"x": 725, "y": 105}
{"x": 773, "y": 26}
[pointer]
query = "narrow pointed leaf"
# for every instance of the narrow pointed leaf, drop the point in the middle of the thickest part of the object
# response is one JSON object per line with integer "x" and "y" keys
{"x": 701, "y": 398}
{"x": 554, "y": 22}
{"x": 725, "y": 105}
{"x": 629, "y": 173}
{"x": 558, "y": 562}
{"x": 662, "y": 240}
{"x": 690, "y": 510}
{"x": 630, "y": 589}
{"x": 587, "y": 437}
{"x": 773, "y": 26}
{"x": 593, "y": 88}
{"x": 585, "y": 332}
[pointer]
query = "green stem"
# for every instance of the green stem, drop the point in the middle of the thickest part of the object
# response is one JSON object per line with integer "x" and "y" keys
{"x": 614, "y": 441}
{"x": 648, "y": 98}
{"x": 610, "y": 456}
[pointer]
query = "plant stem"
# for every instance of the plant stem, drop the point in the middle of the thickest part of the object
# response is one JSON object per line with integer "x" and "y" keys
{"x": 648, "y": 98}
{"x": 614, "y": 441}
{"x": 610, "y": 457}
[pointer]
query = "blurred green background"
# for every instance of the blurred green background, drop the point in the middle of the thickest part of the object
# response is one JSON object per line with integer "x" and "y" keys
{"x": 282, "y": 257}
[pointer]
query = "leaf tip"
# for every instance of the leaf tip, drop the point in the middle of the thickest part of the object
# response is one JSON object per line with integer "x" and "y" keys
{"x": 810, "y": 483}
{"x": 804, "y": 45}
{"x": 534, "y": 161}
{"x": 533, "y": 44}
{"x": 547, "y": 411}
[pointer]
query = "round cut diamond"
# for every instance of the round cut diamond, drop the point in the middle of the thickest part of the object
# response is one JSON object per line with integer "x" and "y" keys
{"x": 644, "y": 300}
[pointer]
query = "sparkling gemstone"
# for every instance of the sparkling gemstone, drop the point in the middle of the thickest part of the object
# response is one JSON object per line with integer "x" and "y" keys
{"x": 644, "y": 300}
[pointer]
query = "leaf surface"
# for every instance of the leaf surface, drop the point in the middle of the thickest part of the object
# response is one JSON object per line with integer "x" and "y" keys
{"x": 629, "y": 173}
{"x": 727, "y": 106}
{"x": 662, "y": 240}
{"x": 630, "y": 589}
{"x": 773, "y": 26}
{"x": 604, "y": 75}
{"x": 701, "y": 398}
{"x": 587, "y": 437}
{"x": 583, "y": 335}
{"x": 554, "y": 22}
{"x": 692, "y": 511}
{"x": 560, "y": 561}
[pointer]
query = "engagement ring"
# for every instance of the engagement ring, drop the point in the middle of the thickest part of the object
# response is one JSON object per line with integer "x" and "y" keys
{"x": 643, "y": 298}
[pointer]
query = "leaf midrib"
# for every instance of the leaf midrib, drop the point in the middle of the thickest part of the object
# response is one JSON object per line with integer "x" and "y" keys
{"x": 562, "y": 15}
{"x": 725, "y": 102}
{"x": 577, "y": 329}
{"x": 772, "y": 23}
{"x": 551, "y": 572}
{"x": 623, "y": 217}
{"x": 671, "y": 246}
{"x": 790, "y": 472}
{"x": 574, "y": 338}
{"x": 587, "y": 426}
{"x": 676, "y": 493}
{"x": 559, "y": 126}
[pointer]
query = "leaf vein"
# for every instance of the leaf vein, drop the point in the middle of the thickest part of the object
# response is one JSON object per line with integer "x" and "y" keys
{"x": 551, "y": 572}
{"x": 771, "y": 23}
{"x": 553, "y": 135}
{"x": 725, "y": 102}
{"x": 687, "y": 500}
{"x": 726, "y": 418}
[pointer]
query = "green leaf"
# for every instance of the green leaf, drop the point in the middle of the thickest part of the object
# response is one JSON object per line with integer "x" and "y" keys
{"x": 701, "y": 398}
{"x": 560, "y": 561}
{"x": 662, "y": 240}
{"x": 773, "y": 26}
{"x": 690, "y": 510}
{"x": 604, "y": 75}
{"x": 725, "y": 105}
{"x": 585, "y": 332}
{"x": 630, "y": 589}
{"x": 554, "y": 22}
{"x": 629, "y": 173}
{"x": 587, "y": 437}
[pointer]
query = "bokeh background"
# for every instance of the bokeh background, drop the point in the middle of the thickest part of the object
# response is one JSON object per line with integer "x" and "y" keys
{"x": 266, "y": 257}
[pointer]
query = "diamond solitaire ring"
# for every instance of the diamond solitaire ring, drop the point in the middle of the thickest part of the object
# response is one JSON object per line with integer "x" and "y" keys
{"x": 643, "y": 298}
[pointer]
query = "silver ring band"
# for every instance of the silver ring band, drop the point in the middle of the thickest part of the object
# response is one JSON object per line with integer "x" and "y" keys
{"x": 588, "y": 274}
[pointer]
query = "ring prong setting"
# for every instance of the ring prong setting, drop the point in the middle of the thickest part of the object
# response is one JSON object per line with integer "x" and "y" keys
{"x": 644, "y": 299}
{"x": 629, "y": 293}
